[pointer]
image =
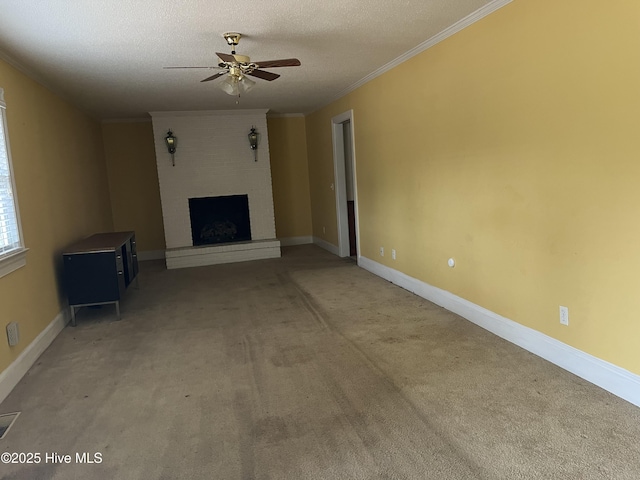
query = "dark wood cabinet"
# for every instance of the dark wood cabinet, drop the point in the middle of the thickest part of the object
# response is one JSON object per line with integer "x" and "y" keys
{"x": 99, "y": 269}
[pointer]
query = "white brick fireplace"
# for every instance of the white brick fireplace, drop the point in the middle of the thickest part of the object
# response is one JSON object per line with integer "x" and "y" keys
{"x": 213, "y": 159}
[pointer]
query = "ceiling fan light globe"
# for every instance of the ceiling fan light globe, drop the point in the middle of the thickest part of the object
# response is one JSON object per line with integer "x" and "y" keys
{"x": 230, "y": 85}
{"x": 245, "y": 85}
{"x": 236, "y": 85}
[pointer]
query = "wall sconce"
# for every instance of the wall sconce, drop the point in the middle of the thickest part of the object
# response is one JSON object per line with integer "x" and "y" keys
{"x": 253, "y": 142}
{"x": 171, "y": 142}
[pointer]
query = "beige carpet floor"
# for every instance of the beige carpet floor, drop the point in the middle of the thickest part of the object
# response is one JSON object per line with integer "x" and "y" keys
{"x": 305, "y": 367}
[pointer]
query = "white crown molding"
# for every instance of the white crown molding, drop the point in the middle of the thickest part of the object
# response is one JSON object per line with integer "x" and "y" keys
{"x": 285, "y": 115}
{"x": 205, "y": 113}
{"x": 612, "y": 378}
{"x": 29, "y": 73}
{"x": 128, "y": 120}
{"x": 39, "y": 80}
{"x": 439, "y": 37}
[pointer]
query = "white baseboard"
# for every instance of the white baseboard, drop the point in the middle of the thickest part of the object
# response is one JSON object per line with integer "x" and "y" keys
{"x": 326, "y": 245}
{"x": 10, "y": 377}
{"x": 151, "y": 255}
{"x": 612, "y": 378}
{"x": 289, "y": 241}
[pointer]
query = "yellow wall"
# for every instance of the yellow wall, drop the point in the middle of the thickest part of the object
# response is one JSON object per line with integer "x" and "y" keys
{"x": 133, "y": 182}
{"x": 62, "y": 191}
{"x": 513, "y": 147}
{"x": 290, "y": 176}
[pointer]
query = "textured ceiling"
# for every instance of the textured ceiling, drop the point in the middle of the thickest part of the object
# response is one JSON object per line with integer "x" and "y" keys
{"x": 107, "y": 56}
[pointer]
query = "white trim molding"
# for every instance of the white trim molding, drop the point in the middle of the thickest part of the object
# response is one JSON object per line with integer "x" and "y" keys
{"x": 13, "y": 261}
{"x": 612, "y": 378}
{"x": 285, "y": 115}
{"x": 33, "y": 75}
{"x": 16, "y": 257}
{"x": 12, "y": 375}
{"x": 207, "y": 113}
{"x": 289, "y": 241}
{"x": 127, "y": 120}
{"x": 330, "y": 247}
{"x": 439, "y": 37}
{"x": 340, "y": 180}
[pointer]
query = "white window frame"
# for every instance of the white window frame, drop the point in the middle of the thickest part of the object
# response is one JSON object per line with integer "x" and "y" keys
{"x": 16, "y": 258}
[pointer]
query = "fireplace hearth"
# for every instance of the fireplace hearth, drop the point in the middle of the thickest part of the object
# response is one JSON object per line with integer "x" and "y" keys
{"x": 223, "y": 219}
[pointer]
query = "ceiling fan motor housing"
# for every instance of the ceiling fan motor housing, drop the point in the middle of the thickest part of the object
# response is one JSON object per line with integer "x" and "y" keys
{"x": 232, "y": 38}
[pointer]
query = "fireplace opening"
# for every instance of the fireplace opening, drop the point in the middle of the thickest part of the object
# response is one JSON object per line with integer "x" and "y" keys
{"x": 219, "y": 219}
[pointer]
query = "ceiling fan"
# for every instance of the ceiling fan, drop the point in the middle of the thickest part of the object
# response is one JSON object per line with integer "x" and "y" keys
{"x": 237, "y": 67}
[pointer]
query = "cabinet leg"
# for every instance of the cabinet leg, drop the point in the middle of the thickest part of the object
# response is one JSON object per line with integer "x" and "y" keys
{"x": 118, "y": 309}
{"x": 73, "y": 315}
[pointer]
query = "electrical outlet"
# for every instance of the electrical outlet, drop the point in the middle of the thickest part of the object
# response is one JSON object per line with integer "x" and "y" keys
{"x": 564, "y": 315}
{"x": 324, "y": 229}
{"x": 382, "y": 251}
{"x": 13, "y": 334}
{"x": 393, "y": 254}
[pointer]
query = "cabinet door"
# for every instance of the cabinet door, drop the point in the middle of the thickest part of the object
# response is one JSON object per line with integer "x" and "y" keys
{"x": 93, "y": 278}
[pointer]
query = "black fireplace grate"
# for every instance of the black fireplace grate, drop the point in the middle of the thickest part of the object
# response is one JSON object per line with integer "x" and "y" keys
{"x": 223, "y": 219}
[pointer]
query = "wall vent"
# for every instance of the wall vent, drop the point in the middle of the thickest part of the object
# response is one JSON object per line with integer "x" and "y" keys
{"x": 6, "y": 421}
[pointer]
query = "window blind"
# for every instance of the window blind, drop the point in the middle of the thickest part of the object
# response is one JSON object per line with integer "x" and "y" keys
{"x": 9, "y": 227}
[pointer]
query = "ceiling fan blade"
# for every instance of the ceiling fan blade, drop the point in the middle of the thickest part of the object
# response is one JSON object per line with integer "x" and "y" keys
{"x": 187, "y": 67}
{"x": 225, "y": 57}
{"x": 264, "y": 75}
{"x": 213, "y": 77}
{"x": 285, "y": 62}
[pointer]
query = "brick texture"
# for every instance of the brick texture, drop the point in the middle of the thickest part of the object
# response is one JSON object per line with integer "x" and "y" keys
{"x": 213, "y": 158}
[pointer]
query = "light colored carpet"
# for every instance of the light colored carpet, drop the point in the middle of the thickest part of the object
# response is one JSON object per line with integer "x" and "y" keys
{"x": 305, "y": 367}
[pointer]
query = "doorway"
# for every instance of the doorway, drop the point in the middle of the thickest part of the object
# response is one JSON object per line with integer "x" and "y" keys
{"x": 345, "y": 184}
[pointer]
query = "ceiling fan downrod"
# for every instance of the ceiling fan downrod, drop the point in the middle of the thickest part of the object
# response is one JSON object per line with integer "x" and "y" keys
{"x": 232, "y": 38}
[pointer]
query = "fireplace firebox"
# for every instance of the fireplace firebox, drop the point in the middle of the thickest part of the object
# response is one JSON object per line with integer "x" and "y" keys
{"x": 219, "y": 219}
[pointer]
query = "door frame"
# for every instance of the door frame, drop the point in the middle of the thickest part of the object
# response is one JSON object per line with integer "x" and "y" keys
{"x": 340, "y": 185}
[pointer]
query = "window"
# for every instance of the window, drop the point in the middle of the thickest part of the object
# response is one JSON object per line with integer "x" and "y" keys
{"x": 12, "y": 251}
